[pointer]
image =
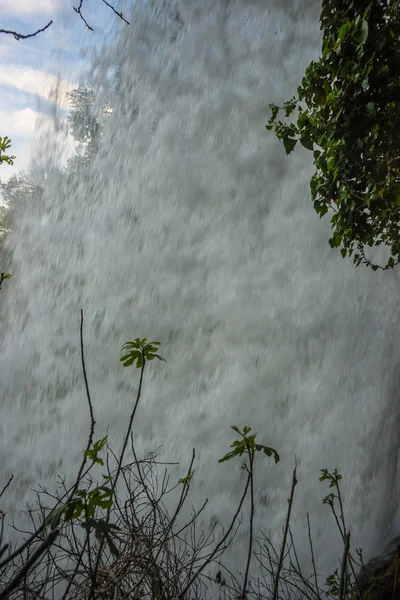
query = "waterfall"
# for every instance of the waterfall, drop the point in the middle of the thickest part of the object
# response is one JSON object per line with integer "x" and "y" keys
{"x": 191, "y": 226}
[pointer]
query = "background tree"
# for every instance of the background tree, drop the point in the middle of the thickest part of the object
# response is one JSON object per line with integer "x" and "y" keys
{"x": 348, "y": 116}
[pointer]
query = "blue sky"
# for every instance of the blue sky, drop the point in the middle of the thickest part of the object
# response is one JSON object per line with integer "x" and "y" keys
{"x": 29, "y": 69}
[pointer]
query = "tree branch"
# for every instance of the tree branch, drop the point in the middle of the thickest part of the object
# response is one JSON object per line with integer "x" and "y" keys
{"x": 20, "y": 36}
{"x": 120, "y": 15}
{"x": 78, "y": 11}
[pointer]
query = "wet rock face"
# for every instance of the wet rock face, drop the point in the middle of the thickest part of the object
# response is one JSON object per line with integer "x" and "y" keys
{"x": 380, "y": 578}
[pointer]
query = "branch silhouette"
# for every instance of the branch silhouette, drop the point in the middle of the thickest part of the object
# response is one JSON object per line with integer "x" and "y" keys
{"x": 21, "y": 36}
{"x": 78, "y": 9}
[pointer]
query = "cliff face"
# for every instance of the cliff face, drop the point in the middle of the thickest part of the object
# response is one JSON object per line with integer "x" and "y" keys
{"x": 380, "y": 579}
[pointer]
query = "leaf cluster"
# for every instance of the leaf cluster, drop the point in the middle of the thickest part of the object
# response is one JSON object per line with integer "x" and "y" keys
{"x": 140, "y": 351}
{"x": 5, "y": 144}
{"x": 247, "y": 444}
{"x": 348, "y": 115}
{"x": 84, "y": 505}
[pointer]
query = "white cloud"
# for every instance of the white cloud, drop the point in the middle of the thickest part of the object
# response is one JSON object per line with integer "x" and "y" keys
{"x": 22, "y": 7}
{"x": 35, "y": 82}
{"x": 27, "y": 130}
{"x": 20, "y": 122}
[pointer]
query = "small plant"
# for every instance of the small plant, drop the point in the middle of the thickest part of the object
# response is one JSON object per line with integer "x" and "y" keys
{"x": 5, "y": 144}
{"x": 84, "y": 505}
{"x": 139, "y": 352}
{"x": 247, "y": 445}
{"x": 344, "y": 585}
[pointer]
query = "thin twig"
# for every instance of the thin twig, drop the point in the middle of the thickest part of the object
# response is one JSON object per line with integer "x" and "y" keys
{"x": 249, "y": 553}
{"x": 343, "y": 572}
{"x": 312, "y": 554}
{"x": 119, "y": 468}
{"x": 294, "y": 481}
{"x": 20, "y": 36}
{"x": 116, "y": 12}
{"x": 27, "y": 566}
{"x": 172, "y": 521}
{"x": 8, "y": 482}
{"x": 77, "y": 9}
{"x": 395, "y": 577}
{"x": 91, "y": 413}
{"x": 23, "y": 546}
{"x": 218, "y": 546}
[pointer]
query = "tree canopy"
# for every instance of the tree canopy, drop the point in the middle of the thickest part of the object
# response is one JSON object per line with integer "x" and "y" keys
{"x": 348, "y": 116}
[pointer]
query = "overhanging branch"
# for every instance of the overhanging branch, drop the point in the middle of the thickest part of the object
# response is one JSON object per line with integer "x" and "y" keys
{"x": 20, "y": 36}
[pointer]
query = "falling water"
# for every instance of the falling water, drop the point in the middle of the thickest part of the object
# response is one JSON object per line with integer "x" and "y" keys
{"x": 192, "y": 227}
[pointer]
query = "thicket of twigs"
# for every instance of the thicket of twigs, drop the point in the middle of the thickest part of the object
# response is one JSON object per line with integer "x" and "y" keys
{"x": 117, "y": 539}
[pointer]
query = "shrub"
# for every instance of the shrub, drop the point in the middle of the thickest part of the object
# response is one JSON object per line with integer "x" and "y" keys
{"x": 348, "y": 115}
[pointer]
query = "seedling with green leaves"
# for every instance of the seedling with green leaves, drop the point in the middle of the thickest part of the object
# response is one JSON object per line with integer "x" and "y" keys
{"x": 84, "y": 505}
{"x": 247, "y": 445}
{"x": 139, "y": 352}
{"x": 5, "y": 144}
{"x": 333, "y": 582}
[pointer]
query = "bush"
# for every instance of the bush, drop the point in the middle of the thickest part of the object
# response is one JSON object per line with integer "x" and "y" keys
{"x": 349, "y": 117}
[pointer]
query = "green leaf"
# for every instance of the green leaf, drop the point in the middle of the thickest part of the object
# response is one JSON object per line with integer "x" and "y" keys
{"x": 160, "y": 358}
{"x": 322, "y": 211}
{"x": 320, "y": 96}
{"x": 113, "y": 548}
{"x": 343, "y": 31}
{"x": 268, "y": 451}
{"x": 128, "y": 363}
{"x": 361, "y": 34}
{"x": 370, "y": 108}
{"x": 307, "y": 143}
{"x": 132, "y": 355}
{"x": 227, "y": 457}
{"x": 289, "y": 144}
{"x": 53, "y": 520}
{"x": 186, "y": 480}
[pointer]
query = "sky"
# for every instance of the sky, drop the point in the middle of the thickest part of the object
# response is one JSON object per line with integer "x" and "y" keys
{"x": 30, "y": 69}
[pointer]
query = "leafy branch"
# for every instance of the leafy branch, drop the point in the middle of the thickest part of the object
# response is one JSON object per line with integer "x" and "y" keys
{"x": 5, "y": 143}
{"x": 346, "y": 112}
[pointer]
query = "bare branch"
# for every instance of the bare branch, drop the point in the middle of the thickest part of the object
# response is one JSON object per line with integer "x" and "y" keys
{"x": 11, "y": 477}
{"x": 116, "y": 12}
{"x": 294, "y": 481}
{"x": 77, "y": 9}
{"x": 249, "y": 554}
{"x": 343, "y": 572}
{"x": 29, "y": 563}
{"x": 20, "y": 36}
{"x": 312, "y": 553}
